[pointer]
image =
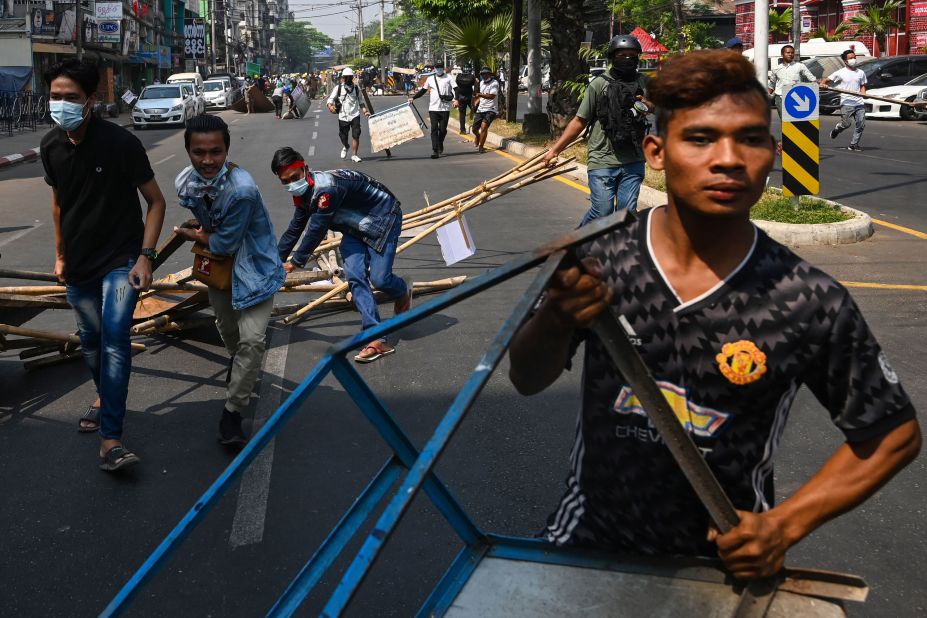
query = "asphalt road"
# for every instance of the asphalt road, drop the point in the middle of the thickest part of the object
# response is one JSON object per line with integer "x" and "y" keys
{"x": 74, "y": 535}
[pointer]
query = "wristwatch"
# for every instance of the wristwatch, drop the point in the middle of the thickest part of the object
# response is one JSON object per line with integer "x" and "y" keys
{"x": 151, "y": 254}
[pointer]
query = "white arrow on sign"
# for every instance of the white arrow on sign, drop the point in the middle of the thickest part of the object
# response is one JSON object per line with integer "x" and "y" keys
{"x": 802, "y": 104}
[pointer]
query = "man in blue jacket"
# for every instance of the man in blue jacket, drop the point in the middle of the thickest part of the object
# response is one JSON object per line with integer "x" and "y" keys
{"x": 233, "y": 222}
{"x": 368, "y": 216}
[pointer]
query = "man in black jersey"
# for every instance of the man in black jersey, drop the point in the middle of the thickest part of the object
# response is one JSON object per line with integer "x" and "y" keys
{"x": 731, "y": 324}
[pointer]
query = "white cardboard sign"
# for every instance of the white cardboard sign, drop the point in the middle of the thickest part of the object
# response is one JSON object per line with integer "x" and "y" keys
{"x": 456, "y": 241}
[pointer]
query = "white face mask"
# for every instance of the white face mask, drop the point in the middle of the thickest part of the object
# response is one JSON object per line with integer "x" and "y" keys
{"x": 851, "y": 62}
{"x": 298, "y": 187}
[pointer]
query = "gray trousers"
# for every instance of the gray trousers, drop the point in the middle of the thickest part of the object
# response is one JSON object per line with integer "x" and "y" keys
{"x": 244, "y": 335}
{"x": 850, "y": 114}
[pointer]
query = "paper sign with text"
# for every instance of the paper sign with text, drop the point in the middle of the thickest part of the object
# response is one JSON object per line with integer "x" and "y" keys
{"x": 393, "y": 127}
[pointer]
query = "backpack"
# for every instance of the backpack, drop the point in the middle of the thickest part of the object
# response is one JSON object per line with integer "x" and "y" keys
{"x": 613, "y": 109}
{"x": 337, "y": 103}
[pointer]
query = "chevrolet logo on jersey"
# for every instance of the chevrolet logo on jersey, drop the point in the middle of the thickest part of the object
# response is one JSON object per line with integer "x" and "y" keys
{"x": 697, "y": 420}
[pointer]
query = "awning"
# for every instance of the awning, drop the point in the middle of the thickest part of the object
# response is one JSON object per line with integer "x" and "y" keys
{"x": 650, "y": 44}
{"x": 95, "y": 54}
{"x": 53, "y": 48}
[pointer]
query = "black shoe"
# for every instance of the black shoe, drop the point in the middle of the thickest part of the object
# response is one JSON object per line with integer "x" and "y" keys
{"x": 854, "y": 148}
{"x": 230, "y": 431}
{"x": 440, "y": 149}
{"x": 434, "y": 155}
{"x": 834, "y": 133}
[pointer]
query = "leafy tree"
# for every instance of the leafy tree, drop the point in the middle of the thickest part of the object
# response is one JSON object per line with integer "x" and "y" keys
{"x": 565, "y": 62}
{"x": 780, "y": 23}
{"x": 404, "y": 30}
{"x": 878, "y": 21}
{"x": 835, "y": 35}
{"x": 478, "y": 41}
{"x": 458, "y": 10}
{"x": 299, "y": 40}
{"x": 374, "y": 48}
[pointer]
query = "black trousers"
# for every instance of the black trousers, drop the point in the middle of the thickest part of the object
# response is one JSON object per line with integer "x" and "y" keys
{"x": 278, "y": 104}
{"x": 464, "y": 103}
{"x": 438, "y": 129}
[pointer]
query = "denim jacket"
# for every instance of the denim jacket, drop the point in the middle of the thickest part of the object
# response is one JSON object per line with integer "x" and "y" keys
{"x": 240, "y": 227}
{"x": 346, "y": 201}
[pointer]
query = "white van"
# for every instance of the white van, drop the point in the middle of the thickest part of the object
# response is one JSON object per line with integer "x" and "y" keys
{"x": 195, "y": 78}
{"x": 813, "y": 48}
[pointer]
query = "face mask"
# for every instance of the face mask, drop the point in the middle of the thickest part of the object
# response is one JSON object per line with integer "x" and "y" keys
{"x": 66, "y": 115}
{"x": 486, "y": 78}
{"x": 298, "y": 187}
{"x": 851, "y": 62}
{"x": 348, "y": 80}
{"x": 625, "y": 66}
{"x": 439, "y": 71}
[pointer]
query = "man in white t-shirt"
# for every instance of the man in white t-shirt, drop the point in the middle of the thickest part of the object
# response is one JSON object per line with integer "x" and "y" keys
{"x": 345, "y": 100}
{"x": 440, "y": 87}
{"x": 487, "y": 102}
{"x": 851, "y": 106}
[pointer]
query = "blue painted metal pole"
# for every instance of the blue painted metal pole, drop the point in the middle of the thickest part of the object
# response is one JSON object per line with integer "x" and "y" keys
{"x": 212, "y": 495}
{"x": 331, "y": 548}
{"x": 422, "y": 469}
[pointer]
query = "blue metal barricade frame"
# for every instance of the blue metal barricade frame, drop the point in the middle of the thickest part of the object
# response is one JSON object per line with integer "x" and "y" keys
{"x": 419, "y": 464}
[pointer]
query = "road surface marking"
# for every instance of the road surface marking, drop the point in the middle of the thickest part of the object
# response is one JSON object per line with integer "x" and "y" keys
{"x": 19, "y": 234}
{"x": 248, "y": 525}
{"x": 315, "y": 134}
{"x": 311, "y": 151}
{"x": 164, "y": 159}
{"x": 316, "y": 123}
{"x": 234, "y": 121}
{"x": 884, "y": 286}
{"x": 901, "y": 228}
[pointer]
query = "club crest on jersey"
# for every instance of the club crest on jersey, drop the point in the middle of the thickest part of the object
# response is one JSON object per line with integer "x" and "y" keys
{"x": 741, "y": 362}
{"x": 324, "y": 200}
{"x": 697, "y": 420}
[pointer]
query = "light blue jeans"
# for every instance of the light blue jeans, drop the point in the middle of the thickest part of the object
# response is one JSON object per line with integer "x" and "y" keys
{"x": 104, "y": 315}
{"x": 855, "y": 115}
{"x": 614, "y": 188}
{"x": 359, "y": 260}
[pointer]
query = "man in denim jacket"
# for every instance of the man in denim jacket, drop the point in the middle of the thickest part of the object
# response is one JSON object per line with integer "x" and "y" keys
{"x": 368, "y": 216}
{"x": 233, "y": 222}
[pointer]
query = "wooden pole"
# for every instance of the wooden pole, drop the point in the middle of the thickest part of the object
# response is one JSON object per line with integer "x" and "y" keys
{"x": 7, "y": 329}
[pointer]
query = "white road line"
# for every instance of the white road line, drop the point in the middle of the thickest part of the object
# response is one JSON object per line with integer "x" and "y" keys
{"x": 316, "y": 123}
{"x": 311, "y": 151}
{"x": 251, "y": 511}
{"x": 18, "y": 235}
{"x": 315, "y": 134}
{"x": 164, "y": 159}
{"x": 234, "y": 121}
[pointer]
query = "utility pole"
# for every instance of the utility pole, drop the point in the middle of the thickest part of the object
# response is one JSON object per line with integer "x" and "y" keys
{"x": 382, "y": 38}
{"x": 360, "y": 25}
{"x": 535, "y": 120}
{"x": 212, "y": 22}
{"x": 511, "y": 87}
{"x": 761, "y": 40}
{"x": 78, "y": 29}
{"x": 796, "y": 28}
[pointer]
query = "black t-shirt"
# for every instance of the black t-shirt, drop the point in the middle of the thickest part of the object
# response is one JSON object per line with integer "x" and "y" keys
{"x": 465, "y": 82}
{"x": 730, "y": 363}
{"x": 97, "y": 185}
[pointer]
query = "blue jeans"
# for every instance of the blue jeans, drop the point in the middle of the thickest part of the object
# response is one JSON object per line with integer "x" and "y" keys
{"x": 104, "y": 315}
{"x": 359, "y": 259}
{"x": 613, "y": 188}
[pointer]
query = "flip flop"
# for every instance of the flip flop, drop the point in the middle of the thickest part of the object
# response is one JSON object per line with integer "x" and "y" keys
{"x": 92, "y": 415}
{"x": 378, "y": 353}
{"x": 118, "y": 458}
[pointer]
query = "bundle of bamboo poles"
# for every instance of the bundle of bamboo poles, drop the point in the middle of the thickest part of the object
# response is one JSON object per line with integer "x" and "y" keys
{"x": 434, "y": 216}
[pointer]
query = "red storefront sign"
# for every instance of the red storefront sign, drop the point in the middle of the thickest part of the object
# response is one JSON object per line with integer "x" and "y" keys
{"x": 919, "y": 9}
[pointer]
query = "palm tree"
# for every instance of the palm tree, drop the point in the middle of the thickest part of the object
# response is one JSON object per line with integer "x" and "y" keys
{"x": 780, "y": 23}
{"x": 835, "y": 35}
{"x": 481, "y": 41}
{"x": 878, "y": 21}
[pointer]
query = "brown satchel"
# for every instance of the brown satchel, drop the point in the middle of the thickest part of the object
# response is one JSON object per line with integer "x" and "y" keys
{"x": 211, "y": 269}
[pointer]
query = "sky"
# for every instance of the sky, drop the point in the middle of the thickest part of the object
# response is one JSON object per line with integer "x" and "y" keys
{"x": 336, "y": 17}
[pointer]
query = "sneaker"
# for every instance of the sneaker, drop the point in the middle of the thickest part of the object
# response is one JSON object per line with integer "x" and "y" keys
{"x": 344, "y": 152}
{"x": 356, "y": 158}
{"x": 833, "y": 133}
{"x": 434, "y": 155}
{"x": 854, "y": 148}
{"x": 230, "y": 431}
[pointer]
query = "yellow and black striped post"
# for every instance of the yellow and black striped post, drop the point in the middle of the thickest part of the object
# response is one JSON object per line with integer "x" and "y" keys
{"x": 801, "y": 157}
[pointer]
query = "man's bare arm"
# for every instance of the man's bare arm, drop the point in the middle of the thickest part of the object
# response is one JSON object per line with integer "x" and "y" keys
{"x": 576, "y": 126}
{"x": 856, "y": 470}
{"x": 140, "y": 275}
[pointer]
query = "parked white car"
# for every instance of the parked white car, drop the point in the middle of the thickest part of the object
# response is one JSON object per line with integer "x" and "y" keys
{"x": 161, "y": 105}
{"x": 217, "y": 93}
{"x": 199, "y": 102}
{"x": 910, "y": 91}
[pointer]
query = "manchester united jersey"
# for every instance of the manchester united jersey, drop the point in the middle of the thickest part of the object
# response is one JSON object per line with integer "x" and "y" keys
{"x": 730, "y": 363}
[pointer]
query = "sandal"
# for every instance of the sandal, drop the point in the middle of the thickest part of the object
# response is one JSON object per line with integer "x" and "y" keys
{"x": 92, "y": 416}
{"x": 374, "y": 351}
{"x": 118, "y": 458}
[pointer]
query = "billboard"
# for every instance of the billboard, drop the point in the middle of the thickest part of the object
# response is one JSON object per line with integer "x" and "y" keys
{"x": 194, "y": 38}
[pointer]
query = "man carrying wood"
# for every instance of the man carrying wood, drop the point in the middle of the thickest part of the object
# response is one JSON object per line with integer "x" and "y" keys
{"x": 104, "y": 252}
{"x": 369, "y": 218}
{"x": 730, "y": 324}
{"x": 234, "y": 224}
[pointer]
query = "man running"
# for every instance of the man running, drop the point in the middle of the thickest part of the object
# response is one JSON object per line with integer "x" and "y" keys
{"x": 368, "y": 216}
{"x": 852, "y": 108}
{"x": 731, "y": 324}
{"x": 487, "y": 107}
{"x": 346, "y": 101}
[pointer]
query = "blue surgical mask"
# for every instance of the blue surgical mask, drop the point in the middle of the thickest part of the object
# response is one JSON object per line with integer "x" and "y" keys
{"x": 298, "y": 187}
{"x": 67, "y": 115}
{"x": 439, "y": 71}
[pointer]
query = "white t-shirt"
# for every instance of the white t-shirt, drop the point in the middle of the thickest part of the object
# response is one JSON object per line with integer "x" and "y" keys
{"x": 489, "y": 105}
{"x": 849, "y": 79}
{"x": 438, "y": 85}
{"x": 350, "y": 101}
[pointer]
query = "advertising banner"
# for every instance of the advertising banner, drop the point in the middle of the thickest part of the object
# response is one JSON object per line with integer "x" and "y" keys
{"x": 109, "y": 22}
{"x": 194, "y": 38}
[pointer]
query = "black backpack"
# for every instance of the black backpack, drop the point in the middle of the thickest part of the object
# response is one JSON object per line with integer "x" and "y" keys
{"x": 614, "y": 110}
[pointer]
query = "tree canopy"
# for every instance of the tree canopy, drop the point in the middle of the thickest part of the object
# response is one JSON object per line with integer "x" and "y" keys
{"x": 299, "y": 40}
{"x": 456, "y": 10}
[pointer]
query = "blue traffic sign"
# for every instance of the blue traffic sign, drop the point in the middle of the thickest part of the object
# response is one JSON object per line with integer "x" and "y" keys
{"x": 800, "y": 102}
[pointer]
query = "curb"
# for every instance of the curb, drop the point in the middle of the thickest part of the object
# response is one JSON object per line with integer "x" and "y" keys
{"x": 33, "y": 153}
{"x": 857, "y": 229}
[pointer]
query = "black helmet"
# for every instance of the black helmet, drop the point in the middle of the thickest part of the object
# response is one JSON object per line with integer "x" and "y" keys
{"x": 623, "y": 41}
{"x": 485, "y": 70}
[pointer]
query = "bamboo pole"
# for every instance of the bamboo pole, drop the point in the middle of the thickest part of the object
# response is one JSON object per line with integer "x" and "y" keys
{"x": 876, "y": 97}
{"x": 51, "y": 360}
{"x": 7, "y": 329}
{"x": 15, "y": 273}
{"x": 40, "y": 351}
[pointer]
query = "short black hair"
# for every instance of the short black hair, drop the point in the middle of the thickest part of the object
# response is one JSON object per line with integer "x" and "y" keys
{"x": 206, "y": 123}
{"x": 85, "y": 73}
{"x": 844, "y": 55}
{"x": 283, "y": 157}
{"x": 785, "y": 47}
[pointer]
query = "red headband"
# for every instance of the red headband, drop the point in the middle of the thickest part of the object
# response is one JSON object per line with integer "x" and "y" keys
{"x": 295, "y": 165}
